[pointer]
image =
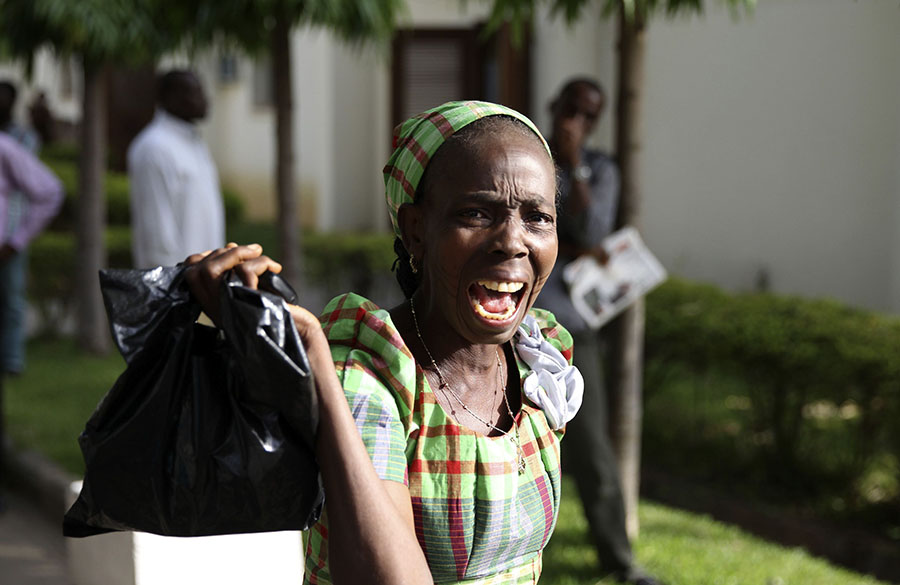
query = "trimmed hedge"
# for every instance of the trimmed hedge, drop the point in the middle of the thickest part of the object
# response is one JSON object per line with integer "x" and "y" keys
{"x": 353, "y": 259}
{"x": 51, "y": 267}
{"x": 822, "y": 381}
{"x": 822, "y": 341}
{"x": 334, "y": 260}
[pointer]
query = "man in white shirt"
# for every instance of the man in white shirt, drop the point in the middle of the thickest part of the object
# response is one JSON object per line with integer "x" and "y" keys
{"x": 176, "y": 203}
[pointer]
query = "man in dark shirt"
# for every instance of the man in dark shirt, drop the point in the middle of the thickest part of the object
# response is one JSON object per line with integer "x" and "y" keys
{"x": 589, "y": 199}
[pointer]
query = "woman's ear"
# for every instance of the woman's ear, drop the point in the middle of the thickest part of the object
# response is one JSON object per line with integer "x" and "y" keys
{"x": 412, "y": 229}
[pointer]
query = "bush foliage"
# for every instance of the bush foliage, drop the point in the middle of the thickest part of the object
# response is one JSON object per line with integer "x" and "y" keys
{"x": 336, "y": 261}
{"x": 820, "y": 388}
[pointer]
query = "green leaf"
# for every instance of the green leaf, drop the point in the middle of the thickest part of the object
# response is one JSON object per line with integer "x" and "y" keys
{"x": 519, "y": 12}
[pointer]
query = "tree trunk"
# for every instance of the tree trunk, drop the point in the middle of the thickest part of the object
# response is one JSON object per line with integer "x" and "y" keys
{"x": 628, "y": 334}
{"x": 288, "y": 227}
{"x": 93, "y": 332}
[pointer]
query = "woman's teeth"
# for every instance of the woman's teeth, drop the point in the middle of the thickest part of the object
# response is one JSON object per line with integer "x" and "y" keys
{"x": 501, "y": 286}
{"x": 505, "y": 300}
{"x": 510, "y": 310}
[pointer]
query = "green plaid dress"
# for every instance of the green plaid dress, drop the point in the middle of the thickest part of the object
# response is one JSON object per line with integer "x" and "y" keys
{"x": 477, "y": 519}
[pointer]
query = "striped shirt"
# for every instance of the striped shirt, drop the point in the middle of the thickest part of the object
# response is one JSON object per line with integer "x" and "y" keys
{"x": 23, "y": 176}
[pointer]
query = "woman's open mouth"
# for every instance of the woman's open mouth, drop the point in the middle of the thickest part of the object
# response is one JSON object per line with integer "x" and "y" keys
{"x": 495, "y": 300}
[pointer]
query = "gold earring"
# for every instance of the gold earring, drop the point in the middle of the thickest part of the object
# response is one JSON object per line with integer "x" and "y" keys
{"x": 412, "y": 265}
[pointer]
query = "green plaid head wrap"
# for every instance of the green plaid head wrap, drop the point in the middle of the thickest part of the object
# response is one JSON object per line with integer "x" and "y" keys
{"x": 417, "y": 139}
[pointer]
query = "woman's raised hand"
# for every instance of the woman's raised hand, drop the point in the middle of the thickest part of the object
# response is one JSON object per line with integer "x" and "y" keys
{"x": 206, "y": 270}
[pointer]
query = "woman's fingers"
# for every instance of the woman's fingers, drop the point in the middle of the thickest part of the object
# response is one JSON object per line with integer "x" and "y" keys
{"x": 317, "y": 349}
{"x": 224, "y": 259}
{"x": 195, "y": 258}
{"x": 308, "y": 326}
{"x": 205, "y": 272}
{"x": 303, "y": 319}
{"x": 250, "y": 270}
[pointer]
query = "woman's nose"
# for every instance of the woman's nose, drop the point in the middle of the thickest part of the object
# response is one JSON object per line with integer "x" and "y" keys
{"x": 510, "y": 238}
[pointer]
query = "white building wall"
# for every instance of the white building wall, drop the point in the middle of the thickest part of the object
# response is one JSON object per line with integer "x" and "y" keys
{"x": 360, "y": 136}
{"x": 895, "y": 256}
{"x": 444, "y": 13}
{"x": 358, "y": 118}
{"x": 241, "y": 137}
{"x": 60, "y": 79}
{"x": 560, "y": 52}
{"x": 241, "y": 134}
{"x": 771, "y": 141}
{"x": 314, "y": 95}
{"x": 771, "y": 144}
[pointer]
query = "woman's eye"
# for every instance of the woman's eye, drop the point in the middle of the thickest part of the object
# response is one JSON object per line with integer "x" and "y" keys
{"x": 473, "y": 213}
{"x": 541, "y": 218}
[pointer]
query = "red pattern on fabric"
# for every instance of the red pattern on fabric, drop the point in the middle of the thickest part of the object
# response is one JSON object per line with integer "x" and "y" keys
{"x": 457, "y": 536}
{"x": 445, "y": 430}
{"x": 384, "y": 373}
{"x": 323, "y": 556}
{"x": 547, "y": 503}
{"x": 399, "y": 176}
{"x": 553, "y": 333}
{"x": 378, "y": 326}
{"x": 441, "y": 123}
{"x": 416, "y": 149}
{"x": 419, "y": 523}
{"x": 381, "y": 372}
{"x": 453, "y": 467}
{"x": 529, "y": 449}
{"x": 329, "y": 320}
{"x": 412, "y": 145}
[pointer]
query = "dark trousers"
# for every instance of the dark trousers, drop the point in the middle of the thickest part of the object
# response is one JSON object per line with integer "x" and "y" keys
{"x": 2, "y": 433}
{"x": 588, "y": 456}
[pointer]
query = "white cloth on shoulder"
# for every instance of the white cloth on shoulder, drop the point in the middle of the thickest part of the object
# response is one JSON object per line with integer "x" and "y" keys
{"x": 554, "y": 385}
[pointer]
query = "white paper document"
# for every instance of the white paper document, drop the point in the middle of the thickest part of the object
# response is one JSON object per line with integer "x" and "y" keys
{"x": 600, "y": 292}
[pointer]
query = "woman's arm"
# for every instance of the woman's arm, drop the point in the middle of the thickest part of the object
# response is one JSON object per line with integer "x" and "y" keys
{"x": 371, "y": 535}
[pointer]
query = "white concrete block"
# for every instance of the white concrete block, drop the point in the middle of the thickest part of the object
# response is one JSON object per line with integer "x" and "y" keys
{"x": 104, "y": 559}
{"x": 139, "y": 558}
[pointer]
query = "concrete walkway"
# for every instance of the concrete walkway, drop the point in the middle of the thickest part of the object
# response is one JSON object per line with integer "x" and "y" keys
{"x": 32, "y": 548}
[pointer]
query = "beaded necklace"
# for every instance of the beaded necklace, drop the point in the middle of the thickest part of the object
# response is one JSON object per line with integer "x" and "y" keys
{"x": 444, "y": 386}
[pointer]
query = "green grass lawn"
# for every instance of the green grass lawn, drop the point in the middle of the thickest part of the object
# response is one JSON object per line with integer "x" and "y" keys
{"x": 686, "y": 549}
{"x": 48, "y": 406}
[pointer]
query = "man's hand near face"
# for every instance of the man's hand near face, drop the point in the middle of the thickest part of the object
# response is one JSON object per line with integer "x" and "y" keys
{"x": 570, "y": 138}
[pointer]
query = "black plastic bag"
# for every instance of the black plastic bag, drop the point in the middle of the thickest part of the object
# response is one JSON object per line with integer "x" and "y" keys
{"x": 207, "y": 431}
